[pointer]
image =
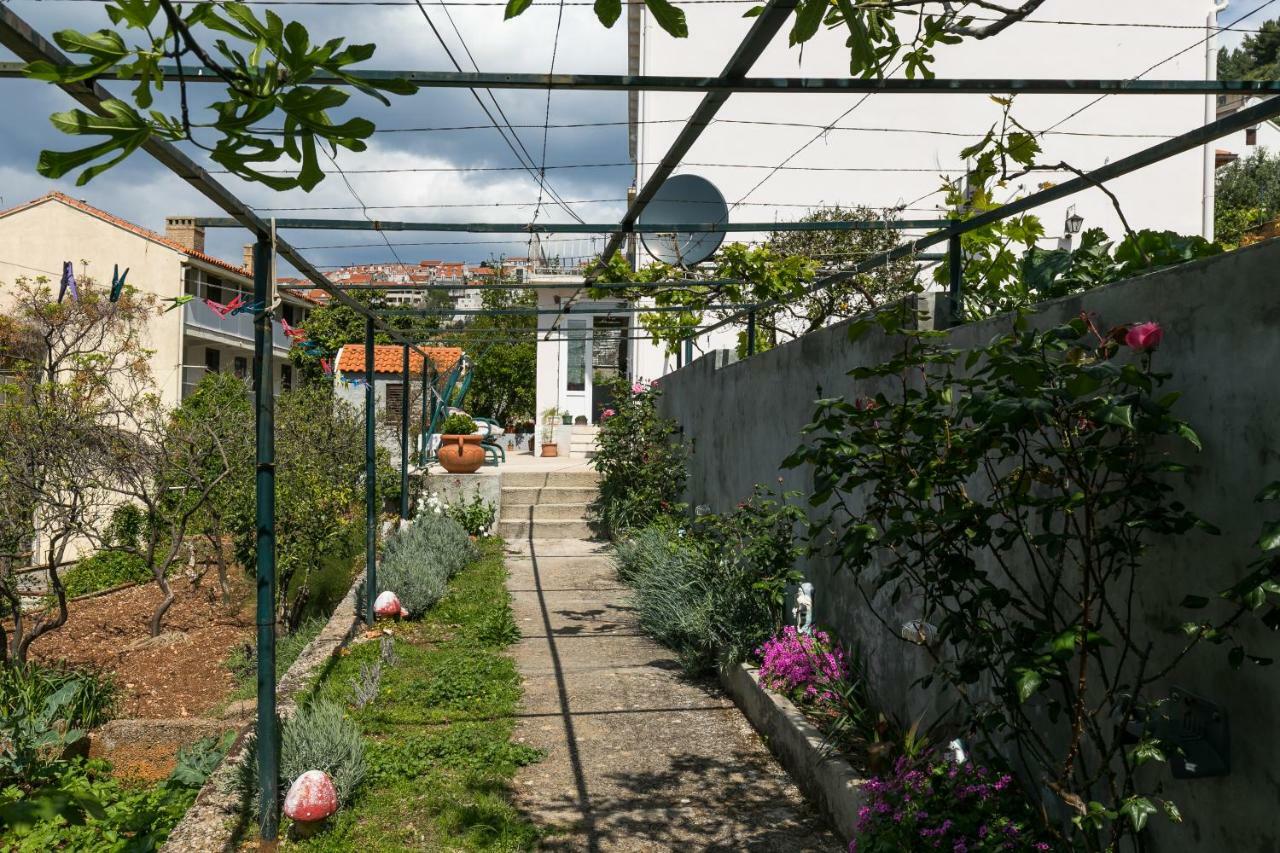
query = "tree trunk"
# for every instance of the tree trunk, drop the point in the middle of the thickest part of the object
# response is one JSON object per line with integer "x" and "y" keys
{"x": 158, "y": 616}
{"x": 224, "y": 585}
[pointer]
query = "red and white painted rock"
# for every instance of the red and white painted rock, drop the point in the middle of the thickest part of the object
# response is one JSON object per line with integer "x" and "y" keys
{"x": 387, "y": 605}
{"x": 311, "y": 797}
{"x": 404, "y": 614}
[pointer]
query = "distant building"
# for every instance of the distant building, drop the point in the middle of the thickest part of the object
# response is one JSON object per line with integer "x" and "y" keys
{"x": 38, "y": 236}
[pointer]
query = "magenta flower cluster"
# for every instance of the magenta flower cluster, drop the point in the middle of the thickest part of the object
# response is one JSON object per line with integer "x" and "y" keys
{"x": 803, "y": 666}
{"x": 931, "y": 803}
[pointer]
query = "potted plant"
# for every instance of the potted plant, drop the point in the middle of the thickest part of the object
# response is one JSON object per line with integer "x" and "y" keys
{"x": 566, "y": 417}
{"x": 460, "y": 450}
{"x": 550, "y": 417}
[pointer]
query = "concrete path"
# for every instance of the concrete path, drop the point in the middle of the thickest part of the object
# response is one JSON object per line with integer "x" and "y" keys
{"x": 638, "y": 757}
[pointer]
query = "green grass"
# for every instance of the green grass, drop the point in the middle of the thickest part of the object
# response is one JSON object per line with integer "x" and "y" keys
{"x": 438, "y": 734}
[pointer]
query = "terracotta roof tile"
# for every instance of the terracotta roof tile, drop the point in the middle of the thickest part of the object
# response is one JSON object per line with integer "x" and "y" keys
{"x": 128, "y": 226}
{"x": 389, "y": 358}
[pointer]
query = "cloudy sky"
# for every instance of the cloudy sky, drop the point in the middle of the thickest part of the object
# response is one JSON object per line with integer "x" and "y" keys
{"x": 145, "y": 193}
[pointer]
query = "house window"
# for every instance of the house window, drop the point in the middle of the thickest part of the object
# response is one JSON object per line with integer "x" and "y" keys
{"x": 212, "y": 359}
{"x": 576, "y": 362}
{"x": 286, "y": 377}
{"x": 242, "y": 367}
{"x": 1251, "y": 136}
{"x": 394, "y": 396}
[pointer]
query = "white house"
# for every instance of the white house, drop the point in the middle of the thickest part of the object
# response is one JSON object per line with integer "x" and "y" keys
{"x": 886, "y": 151}
{"x": 38, "y": 236}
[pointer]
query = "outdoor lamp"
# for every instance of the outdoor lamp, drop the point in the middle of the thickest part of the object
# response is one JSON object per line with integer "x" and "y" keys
{"x": 1074, "y": 221}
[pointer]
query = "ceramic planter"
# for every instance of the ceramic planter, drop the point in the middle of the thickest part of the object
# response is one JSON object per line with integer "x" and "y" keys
{"x": 461, "y": 454}
{"x": 551, "y": 449}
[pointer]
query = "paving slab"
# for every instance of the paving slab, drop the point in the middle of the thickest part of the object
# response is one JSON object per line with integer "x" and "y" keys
{"x": 638, "y": 757}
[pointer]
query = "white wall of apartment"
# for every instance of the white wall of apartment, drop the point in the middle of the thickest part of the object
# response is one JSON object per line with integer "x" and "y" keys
{"x": 36, "y": 241}
{"x": 874, "y": 137}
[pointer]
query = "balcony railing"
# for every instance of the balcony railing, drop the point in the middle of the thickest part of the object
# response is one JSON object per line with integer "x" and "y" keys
{"x": 240, "y": 326}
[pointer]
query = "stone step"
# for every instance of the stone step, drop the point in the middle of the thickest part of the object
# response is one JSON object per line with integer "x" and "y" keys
{"x": 554, "y": 479}
{"x": 527, "y": 495}
{"x": 520, "y": 530}
{"x": 585, "y": 429}
{"x": 545, "y": 511}
{"x": 582, "y": 454}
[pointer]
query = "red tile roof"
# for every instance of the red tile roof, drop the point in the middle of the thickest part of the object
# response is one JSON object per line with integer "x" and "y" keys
{"x": 145, "y": 233}
{"x": 389, "y": 358}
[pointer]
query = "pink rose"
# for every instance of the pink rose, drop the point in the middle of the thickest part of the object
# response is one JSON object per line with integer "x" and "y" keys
{"x": 637, "y": 388}
{"x": 607, "y": 413}
{"x": 1144, "y": 337}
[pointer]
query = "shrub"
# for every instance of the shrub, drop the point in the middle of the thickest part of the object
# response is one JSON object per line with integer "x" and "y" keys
{"x": 642, "y": 473}
{"x": 92, "y": 700}
{"x": 104, "y": 570}
{"x": 318, "y": 737}
{"x": 458, "y": 424}
{"x": 696, "y": 600}
{"x": 476, "y": 516}
{"x": 418, "y": 561}
{"x": 929, "y": 803}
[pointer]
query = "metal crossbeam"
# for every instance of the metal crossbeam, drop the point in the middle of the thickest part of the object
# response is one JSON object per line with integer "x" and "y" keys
{"x": 579, "y": 227}
{"x": 563, "y": 309}
{"x": 728, "y": 83}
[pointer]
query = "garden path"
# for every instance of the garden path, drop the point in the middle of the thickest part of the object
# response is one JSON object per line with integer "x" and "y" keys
{"x": 638, "y": 758}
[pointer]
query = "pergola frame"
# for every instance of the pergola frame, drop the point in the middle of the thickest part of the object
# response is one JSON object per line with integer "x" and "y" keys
{"x": 30, "y": 46}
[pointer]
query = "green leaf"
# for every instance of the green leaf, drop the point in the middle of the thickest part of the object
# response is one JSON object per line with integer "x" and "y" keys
{"x": 668, "y": 17}
{"x": 1235, "y": 657}
{"x": 753, "y": 12}
{"x": 1171, "y": 811}
{"x": 1189, "y": 434}
{"x": 1029, "y": 682}
{"x": 1118, "y": 415}
{"x": 1138, "y": 809}
{"x": 1194, "y": 602}
{"x": 608, "y": 11}
{"x": 515, "y": 7}
{"x": 1270, "y": 538}
{"x": 808, "y": 19}
{"x": 1270, "y": 492}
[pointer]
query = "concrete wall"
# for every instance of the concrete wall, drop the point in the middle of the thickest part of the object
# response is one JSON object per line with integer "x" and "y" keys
{"x": 742, "y": 418}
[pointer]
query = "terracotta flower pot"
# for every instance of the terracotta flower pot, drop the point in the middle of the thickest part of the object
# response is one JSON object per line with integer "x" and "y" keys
{"x": 461, "y": 454}
{"x": 551, "y": 449}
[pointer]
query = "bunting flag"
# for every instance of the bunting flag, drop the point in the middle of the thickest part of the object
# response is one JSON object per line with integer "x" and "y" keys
{"x": 326, "y": 366}
{"x": 176, "y": 300}
{"x": 311, "y": 348}
{"x": 293, "y": 332}
{"x": 117, "y": 282}
{"x": 68, "y": 282}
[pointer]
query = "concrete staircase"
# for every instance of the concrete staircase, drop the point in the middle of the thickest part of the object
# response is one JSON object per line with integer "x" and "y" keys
{"x": 551, "y": 505}
{"x": 582, "y": 444}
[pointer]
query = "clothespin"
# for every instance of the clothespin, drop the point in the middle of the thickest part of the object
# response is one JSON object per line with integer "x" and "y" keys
{"x": 245, "y": 307}
{"x": 68, "y": 282}
{"x": 117, "y": 281}
{"x": 177, "y": 300}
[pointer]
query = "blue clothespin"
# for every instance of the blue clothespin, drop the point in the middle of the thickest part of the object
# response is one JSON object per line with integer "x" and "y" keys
{"x": 255, "y": 307}
{"x": 117, "y": 282}
{"x": 68, "y": 282}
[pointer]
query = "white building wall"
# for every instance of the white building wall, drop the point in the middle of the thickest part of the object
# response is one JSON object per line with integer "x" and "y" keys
{"x": 1168, "y": 195}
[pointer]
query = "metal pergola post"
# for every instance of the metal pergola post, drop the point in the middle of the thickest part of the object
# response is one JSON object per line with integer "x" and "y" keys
{"x": 370, "y": 479}
{"x": 428, "y": 379}
{"x": 404, "y": 439}
{"x": 317, "y": 224}
{"x": 267, "y": 742}
{"x": 955, "y": 271}
{"x": 688, "y": 350}
{"x": 751, "y": 332}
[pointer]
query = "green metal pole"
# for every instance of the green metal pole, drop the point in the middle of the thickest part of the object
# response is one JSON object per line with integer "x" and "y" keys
{"x": 422, "y": 429}
{"x": 688, "y": 350}
{"x": 370, "y": 479}
{"x": 955, "y": 269}
{"x": 268, "y": 740}
{"x": 751, "y": 332}
{"x": 404, "y": 438}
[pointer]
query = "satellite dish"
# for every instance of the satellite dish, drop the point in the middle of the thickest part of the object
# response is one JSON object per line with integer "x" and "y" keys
{"x": 684, "y": 200}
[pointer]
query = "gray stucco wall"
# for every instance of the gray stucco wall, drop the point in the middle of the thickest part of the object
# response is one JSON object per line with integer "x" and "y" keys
{"x": 1222, "y": 344}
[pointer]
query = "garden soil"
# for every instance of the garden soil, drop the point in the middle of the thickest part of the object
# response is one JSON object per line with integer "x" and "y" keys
{"x": 179, "y": 674}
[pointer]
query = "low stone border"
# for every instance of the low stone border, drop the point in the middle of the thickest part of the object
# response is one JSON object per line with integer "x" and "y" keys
{"x": 827, "y": 780}
{"x": 217, "y": 818}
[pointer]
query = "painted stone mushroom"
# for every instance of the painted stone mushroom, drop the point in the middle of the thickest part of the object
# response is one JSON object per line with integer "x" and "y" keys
{"x": 311, "y": 798}
{"x": 387, "y": 605}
